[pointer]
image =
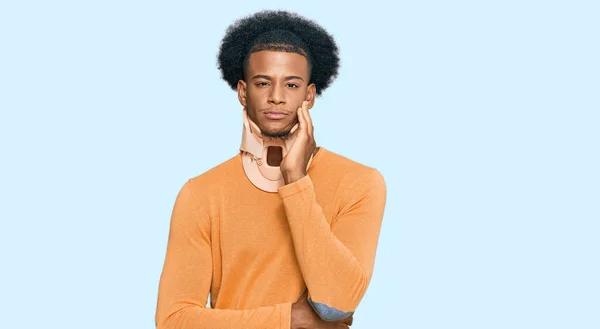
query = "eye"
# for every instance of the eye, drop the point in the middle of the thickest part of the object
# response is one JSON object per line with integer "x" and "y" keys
{"x": 293, "y": 85}
{"x": 262, "y": 84}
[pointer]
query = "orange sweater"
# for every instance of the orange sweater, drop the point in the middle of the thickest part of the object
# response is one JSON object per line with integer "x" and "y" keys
{"x": 256, "y": 252}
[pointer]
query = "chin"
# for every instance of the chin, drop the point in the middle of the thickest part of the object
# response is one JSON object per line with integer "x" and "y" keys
{"x": 276, "y": 133}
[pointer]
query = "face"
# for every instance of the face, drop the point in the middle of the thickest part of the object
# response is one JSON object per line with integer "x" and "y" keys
{"x": 275, "y": 86}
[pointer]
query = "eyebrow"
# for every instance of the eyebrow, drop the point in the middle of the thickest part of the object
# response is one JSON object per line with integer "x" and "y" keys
{"x": 260, "y": 76}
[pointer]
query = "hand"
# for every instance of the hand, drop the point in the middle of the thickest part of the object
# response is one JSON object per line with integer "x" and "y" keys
{"x": 293, "y": 165}
{"x": 304, "y": 317}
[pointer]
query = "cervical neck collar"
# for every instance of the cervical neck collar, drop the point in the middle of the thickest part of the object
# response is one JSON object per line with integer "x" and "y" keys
{"x": 255, "y": 148}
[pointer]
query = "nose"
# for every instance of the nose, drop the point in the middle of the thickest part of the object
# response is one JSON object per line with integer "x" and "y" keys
{"x": 277, "y": 95}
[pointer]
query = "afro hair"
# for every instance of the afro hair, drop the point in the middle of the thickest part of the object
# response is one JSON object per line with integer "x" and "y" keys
{"x": 278, "y": 30}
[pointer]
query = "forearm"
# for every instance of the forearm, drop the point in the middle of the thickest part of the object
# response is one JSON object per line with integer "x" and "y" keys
{"x": 336, "y": 259}
{"x": 331, "y": 272}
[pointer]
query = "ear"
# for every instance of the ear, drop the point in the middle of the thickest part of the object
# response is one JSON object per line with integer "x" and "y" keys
{"x": 311, "y": 92}
{"x": 241, "y": 90}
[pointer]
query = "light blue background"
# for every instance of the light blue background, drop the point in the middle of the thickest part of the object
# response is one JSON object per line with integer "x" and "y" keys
{"x": 482, "y": 116}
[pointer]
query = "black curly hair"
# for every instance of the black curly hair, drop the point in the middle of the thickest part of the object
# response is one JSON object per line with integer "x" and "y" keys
{"x": 278, "y": 30}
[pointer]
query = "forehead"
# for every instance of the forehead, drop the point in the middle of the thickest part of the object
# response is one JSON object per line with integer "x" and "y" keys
{"x": 277, "y": 63}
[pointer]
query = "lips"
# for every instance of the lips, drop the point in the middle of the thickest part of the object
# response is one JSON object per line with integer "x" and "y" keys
{"x": 275, "y": 112}
{"x": 275, "y": 115}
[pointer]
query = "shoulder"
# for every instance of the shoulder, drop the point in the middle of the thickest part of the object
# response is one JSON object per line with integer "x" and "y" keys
{"x": 356, "y": 185}
{"x": 349, "y": 172}
{"x": 214, "y": 178}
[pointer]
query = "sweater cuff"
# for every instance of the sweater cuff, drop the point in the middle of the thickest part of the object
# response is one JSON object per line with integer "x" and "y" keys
{"x": 295, "y": 187}
{"x": 285, "y": 316}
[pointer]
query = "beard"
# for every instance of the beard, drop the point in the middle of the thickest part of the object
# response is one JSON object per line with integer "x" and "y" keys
{"x": 282, "y": 134}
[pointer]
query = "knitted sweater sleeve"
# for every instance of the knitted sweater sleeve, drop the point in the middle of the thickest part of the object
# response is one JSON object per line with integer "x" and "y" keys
{"x": 336, "y": 259}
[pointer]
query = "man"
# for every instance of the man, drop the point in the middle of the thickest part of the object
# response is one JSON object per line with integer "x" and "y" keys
{"x": 282, "y": 235}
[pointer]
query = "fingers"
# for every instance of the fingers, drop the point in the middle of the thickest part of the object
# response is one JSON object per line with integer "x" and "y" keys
{"x": 309, "y": 124}
{"x": 339, "y": 324}
{"x": 304, "y": 119}
{"x": 348, "y": 320}
{"x": 301, "y": 120}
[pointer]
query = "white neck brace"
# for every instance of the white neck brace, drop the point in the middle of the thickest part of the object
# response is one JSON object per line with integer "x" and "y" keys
{"x": 255, "y": 148}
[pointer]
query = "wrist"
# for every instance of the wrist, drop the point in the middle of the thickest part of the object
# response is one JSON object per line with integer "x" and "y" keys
{"x": 292, "y": 177}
